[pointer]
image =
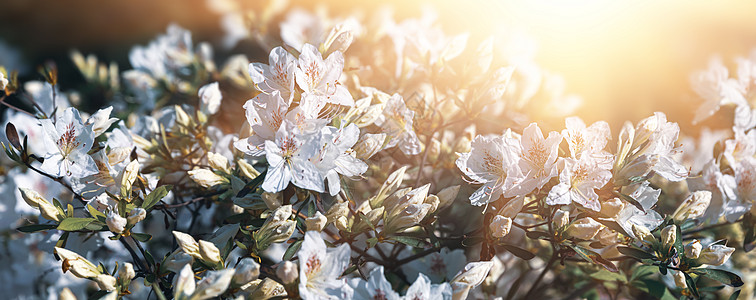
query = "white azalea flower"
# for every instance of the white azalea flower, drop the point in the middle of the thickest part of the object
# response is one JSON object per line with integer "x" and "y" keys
{"x": 539, "y": 156}
{"x": 740, "y": 147}
{"x": 716, "y": 88}
{"x": 277, "y": 75}
{"x": 210, "y": 98}
{"x": 493, "y": 162}
{"x": 289, "y": 161}
{"x": 101, "y": 120}
{"x": 320, "y": 268}
{"x": 578, "y": 182}
{"x": 745, "y": 190}
{"x": 396, "y": 122}
{"x": 319, "y": 79}
{"x": 589, "y": 140}
{"x": 656, "y": 139}
{"x": 265, "y": 113}
{"x": 301, "y": 27}
{"x": 66, "y": 144}
{"x": 631, "y": 215}
{"x": 376, "y": 287}
{"x": 438, "y": 267}
{"x": 422, "y": 289}
{"x": 335, "y": 156}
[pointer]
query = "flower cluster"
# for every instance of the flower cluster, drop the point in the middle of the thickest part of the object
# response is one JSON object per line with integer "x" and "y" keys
{"x": 363, "y": 157}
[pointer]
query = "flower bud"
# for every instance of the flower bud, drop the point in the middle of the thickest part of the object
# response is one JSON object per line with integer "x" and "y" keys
{"x": 269, "y": 235}
{"x": 715, "y": 255}
{"x": 207, "y": 178}
{"x": 679, "y": 277}
{"x": 340, "y": 209}
{"x": 246, "y": 169}
{"x": 130, "y": 173}
{"x": 187, "y": 244}
{"x": 126, "y": 272}
{"x": 35, "y": 200}
{"x": 694, "y": 206}
{"x": 272, "y": 200}
{"x": 500, "y": 226}
{"x": 473, "y": 274}
{"x": 287, "y": 272}
{"x": 182, "y": 118}
{"x": 317, "y": 222}
{"x": 368, "y": 145}
{"x": 693, "y": 249}
{"x": 585, "y": 228}
{"x": 184, "y": 286}
{"x": 3, "y": 81}
{"x": 116, "y": 223}
{"x": 105, "y": 282}
{"x": 433, "y": 201}
{"x": 668, "y": 236}
{"x": 643, "y": 234}
{"x": 209, "y": 252}
{"x": 512, "y": 208}
{"x": 66, "y": 293}
{"x": 266, "y": 289}
{"x": 210, "y": 98}
{"x": 247, "y": 270}
{"x": 218, "y": 162}
{"x": 561, "y": 218}
{"x": 374, "y": 216}
{"x": 342, "y": 223}
{"x": 410, "y": 216}
{"x": 78, "y": 265}
{"x": 101, "y": 120}
{"x": 391, "y": 184}
{"x": 136, "y": 215}
{"x": 447, "y": 195}
{"x": 214, "y": 284}
{"x": 612, "y": 207}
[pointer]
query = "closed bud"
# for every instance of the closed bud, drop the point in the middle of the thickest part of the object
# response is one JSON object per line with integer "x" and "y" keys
{"x": 246, "y": 169}
{"x": 368, "y": 145}
{"x": 561, "y": 218}
{"x": 512, "y": 208}
{"x": 184, "y": 285}
{"x": 210, "y": 98}
{"x": 342, "y": 223}
{"x": 218, "y": 162}
{"x": 66, "y": 293}
{"x": 715, "y": 255}
{"x": 105, "y": 282}
{"x": 668, "y": 236}
{"x": 287, "y": 272}
{"x": 177, "y": 260}
{"x": 3, "y": 81}
{"x": 317, "y": 222}
{"x": 266, "y": 289}
{"x": 209, "y": 252}
{"x": 433, "y": 201}
{"x": 391, "y": 184}
{"x": 473, "y": 274}
{"x": 214, "y": 284}
{"x": 447, "y": 195}
{"x": 410, "y": 216}
{"x": 247, "y": 270}
{"x": 35, "y": 200}
{"x": 78, "y": 265}
{"x": 272, "y": 200}
{"x": 374, "y": 216}
{"x": 694, "y": 206}
{"x": 187, "y": 244}
{"x": 612, "y": 207}
{"x": 679, "y": 277}
{"x": 585, "y": 228}
{"x": 183, "y": 118}
{"x": 278, "y": 234}
{"x": 643, "y": 234}
{"x": 693, "y": 249}
{"x": 116, "y": 223}
{"x": 130, "y": 173}
{"x": 340, "y": 209}
{"x": 126, "y": 272}
{"x": 136, "y": 215}
{"x": 500, "y": 226}
{"x": 206, "y": 178}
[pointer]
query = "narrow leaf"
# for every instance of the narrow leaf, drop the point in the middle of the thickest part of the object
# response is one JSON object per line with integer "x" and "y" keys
{"x": 74, "y": 224}
{"x": 158, "y": 194}
{"x": 519, "y": 252}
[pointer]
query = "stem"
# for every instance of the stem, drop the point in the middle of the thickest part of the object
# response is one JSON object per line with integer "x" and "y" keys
{"x": 710, "y": 227}
{"x": 540, "y": 276}
{"x": 158, "y": 292}
{"x": 58, "y": 180}
{"x": 134, "y": 256}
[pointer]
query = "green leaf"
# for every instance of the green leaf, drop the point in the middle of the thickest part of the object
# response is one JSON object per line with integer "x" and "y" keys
{"x": 96, "y": 213}
{"x": 655, "y": 288}
{"x": 74, "y": 224}
{"x": 691, "y": 285}
{"x": 722, "y": 276}
{"x": 12, "y": 134}
{"x": 538, "y": 235}
{"x": 252, "y": 185}
{"x": 594, "y": 257}
{"x": 612, "y": 225}
{"x": 642, "y": 271}
{"x": 631, "y": 200}
{"x": 605, "y": 275}
{"x": 636, "y": 253}
{"x": 142, "y": 237}
{"x": 36, "y": 227}
{"x": 69, "y": 211}
{"x": 519, "y": 252}
{"x": 409, "y": 241}
{"x": 293, "y": 249}
{"x": 371, "y": 242}
{"x": 62, "y": 240}
{"x": 735, "y": 295}
{"x": 156, "y": 195}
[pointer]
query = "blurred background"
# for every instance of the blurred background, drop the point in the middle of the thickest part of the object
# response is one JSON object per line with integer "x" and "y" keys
{"x": 626, "y": 59}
